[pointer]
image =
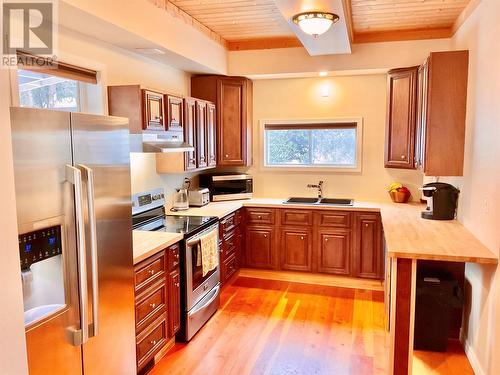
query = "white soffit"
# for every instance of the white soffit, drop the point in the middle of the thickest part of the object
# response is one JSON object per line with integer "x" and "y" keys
{"x": 334, "y": 41}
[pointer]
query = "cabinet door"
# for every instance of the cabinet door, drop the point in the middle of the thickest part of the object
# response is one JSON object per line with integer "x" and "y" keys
{"x": 334, "y": 251}
{"x": 368, "y": 249}
{"x": 189, "y": 132}
{"x": 260, "y": 247}
{"x": 295, "y": 249}
{"x": 211, "y": 121}
{"x": 175, "y": 115}
{"x": 201, "y": 134}
{"x": 154, "y": 116}
{"x": 401, "y": 118}
{"x": 174, "y": 307}
{"x": 232, "y": 116}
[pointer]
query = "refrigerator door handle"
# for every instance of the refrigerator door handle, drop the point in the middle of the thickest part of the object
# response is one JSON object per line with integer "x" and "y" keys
{"x": 88, "y": 173}
{"x": 74, "y": 176}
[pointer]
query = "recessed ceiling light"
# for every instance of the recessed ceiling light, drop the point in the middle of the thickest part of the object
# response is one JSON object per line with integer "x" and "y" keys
{"x": 323, "y": 74}
{"x": 150, "y": 51}
{"x": 315, "y": 23}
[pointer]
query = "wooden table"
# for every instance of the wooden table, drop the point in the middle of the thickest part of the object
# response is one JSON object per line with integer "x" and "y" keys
{"x": 410, "y": 238}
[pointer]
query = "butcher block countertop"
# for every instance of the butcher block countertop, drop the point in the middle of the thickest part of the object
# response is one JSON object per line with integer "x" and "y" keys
{"x": 146, "y": 243}
{"x": 407, "y": 235}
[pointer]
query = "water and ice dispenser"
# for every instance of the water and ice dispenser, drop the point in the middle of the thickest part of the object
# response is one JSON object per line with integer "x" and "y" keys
{"x": 42, "y": 273}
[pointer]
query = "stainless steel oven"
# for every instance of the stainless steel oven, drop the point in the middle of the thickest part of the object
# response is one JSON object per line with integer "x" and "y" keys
{"x": 202, "y": 292}
{"x": 227, "y": 186}
{"x": 199, "y": 294}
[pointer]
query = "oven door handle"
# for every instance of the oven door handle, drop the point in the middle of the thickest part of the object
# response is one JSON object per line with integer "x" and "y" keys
{"x": 215, "y": 292}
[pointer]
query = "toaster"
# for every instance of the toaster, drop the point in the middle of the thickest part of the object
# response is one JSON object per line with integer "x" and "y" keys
{"x": 199, "y": 197}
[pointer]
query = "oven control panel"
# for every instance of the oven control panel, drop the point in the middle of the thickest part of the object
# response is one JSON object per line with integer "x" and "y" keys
{"x": 147, "y": 200}
{"x": 39, "y": 245}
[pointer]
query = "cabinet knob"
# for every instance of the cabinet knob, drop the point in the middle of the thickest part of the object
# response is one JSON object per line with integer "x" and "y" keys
{"x": 326, "y": 239}
{"x": 366, "y": 225}
{"x": 227, "y": 155}
{"x": 403, "y": 157}
{"x": 153, "y": 342}
{"x": 152, "y": 305}
{"x": 259, "y": 217}
{"x": 301, "y": 237}
{"x": 177, "y": 285}
{"x": 151, "y": 272}
{"x": 265, "y": 235}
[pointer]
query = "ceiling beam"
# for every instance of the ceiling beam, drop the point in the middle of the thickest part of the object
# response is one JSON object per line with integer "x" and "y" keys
{"x": 263, "y": 43}
{"x": 399, "y": 35}
{"x": 346, "y": 4}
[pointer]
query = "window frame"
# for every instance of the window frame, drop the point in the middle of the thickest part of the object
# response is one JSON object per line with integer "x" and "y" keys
{"x": 358, "y": 121}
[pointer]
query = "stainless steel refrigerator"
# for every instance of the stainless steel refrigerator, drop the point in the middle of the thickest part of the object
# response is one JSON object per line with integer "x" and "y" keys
{"x": 72, "y": 176}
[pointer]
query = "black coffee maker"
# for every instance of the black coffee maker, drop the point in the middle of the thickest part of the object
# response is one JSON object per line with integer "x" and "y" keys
{"x": 441, "y": 201}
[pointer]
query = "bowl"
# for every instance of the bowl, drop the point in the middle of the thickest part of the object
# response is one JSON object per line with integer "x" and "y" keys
{"x": 400, "y": 196}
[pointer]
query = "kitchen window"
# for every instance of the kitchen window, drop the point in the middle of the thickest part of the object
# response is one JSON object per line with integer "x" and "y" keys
{"x": 314, "y": 145}
{"x": 60, "y": 86}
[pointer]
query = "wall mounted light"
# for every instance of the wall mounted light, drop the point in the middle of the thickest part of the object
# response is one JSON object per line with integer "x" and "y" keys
{"x": 323, "y": 74}
{"x": 315, "y": 23}
{"x": 325, "y": 90}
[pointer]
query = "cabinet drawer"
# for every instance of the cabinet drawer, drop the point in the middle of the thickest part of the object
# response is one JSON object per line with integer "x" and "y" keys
{"x": 227, "y": 224}
{"x": 173, "y": 256}
{"x": 296, "y": 217}
{"x": 260, "y": 216}
{"x": 149, "y": 271}
{"x": 339, "y": 219}
{"x": 151, "y": 341}
{"x": 229, "y": 268}
{"x": 232, "y": 242}
{"x": 149, "y": 305}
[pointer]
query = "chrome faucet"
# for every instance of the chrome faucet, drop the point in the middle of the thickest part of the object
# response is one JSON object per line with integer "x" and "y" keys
{"x": 319, "y": 186}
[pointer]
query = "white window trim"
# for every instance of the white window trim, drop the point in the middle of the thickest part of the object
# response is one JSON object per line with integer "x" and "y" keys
{"x": 312, "y": 168}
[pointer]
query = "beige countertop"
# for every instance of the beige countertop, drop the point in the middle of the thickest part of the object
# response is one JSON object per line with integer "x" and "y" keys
{"x": 146, "y": 244}
{"x": 407, "y": 235}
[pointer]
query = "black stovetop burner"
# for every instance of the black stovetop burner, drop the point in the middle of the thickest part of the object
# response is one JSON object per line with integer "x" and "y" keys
{"x": 187, "y": 224}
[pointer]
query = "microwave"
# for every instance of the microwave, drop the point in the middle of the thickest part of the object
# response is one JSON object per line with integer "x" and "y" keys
{"x": 227, "y": 186}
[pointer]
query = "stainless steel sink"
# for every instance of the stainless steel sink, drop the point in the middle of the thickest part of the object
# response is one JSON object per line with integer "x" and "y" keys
{"x": 302, "y": 200}
{"x": 337, "y": 201}
{"x": 322, "y": 201}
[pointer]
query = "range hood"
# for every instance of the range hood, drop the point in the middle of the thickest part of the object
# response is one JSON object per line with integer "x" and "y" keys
{"x": 159, "y": 142}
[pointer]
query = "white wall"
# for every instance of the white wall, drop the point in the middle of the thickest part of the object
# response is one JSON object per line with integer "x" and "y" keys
{"x": 120, "y": 67}
{"x": 350, "y": 96}
{"x": 12, "y": 342}
{"x": 479, "y": 200}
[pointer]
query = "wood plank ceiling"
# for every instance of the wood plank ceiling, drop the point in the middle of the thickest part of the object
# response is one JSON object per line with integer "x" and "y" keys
{"x": 383, "y": 20}
{"x": 256, "y": 24}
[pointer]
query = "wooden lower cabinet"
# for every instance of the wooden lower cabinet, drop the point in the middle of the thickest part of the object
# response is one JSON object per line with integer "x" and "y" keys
{"x": 260, "y": 247}
{"x": 334, "y": 251}
{"x": 231, "y": 245}
{"x": 157, "y": 304}
{"x": 296, "y": 249}
{"x": 174, "y": 311}
{"x": 337, "y": 242}
{"x": 368, "y": 248}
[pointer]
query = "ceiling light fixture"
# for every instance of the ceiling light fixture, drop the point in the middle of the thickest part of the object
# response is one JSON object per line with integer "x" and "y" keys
{"x": 315, "y": 23}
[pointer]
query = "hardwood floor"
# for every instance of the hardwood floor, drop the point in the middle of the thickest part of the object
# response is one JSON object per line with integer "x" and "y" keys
{"x": 280, "y": 327}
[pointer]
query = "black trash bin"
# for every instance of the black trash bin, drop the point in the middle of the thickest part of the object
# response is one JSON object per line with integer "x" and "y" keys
{"x": 436, "y": 296}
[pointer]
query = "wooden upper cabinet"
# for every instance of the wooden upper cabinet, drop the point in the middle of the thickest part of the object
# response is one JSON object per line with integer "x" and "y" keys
{"x": 426, "y": 110}
{"x": 175, "y": 115}
{"x": 442, "y": 110}
{"x": 296, "y": 249}
{"x": 401, "y": 118}
{"x": 334, "y": 251}
{"x": 189, "y": 132}
{"x": 233, "y": 98}
{"x": 201, "y": 134}
{"x": 368, "y": 252}
{"x": 211, "y": 130}
{"x": 155, "y": 114}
